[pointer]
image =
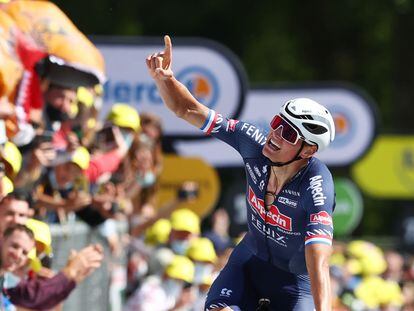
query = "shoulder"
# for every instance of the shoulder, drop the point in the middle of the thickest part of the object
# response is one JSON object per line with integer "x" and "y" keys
{"x": 317, "y": 178}
{"x": 318, "y": 170}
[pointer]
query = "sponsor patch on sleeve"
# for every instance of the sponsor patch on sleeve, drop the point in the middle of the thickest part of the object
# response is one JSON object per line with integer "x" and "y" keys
{"x": 322, "y": 218}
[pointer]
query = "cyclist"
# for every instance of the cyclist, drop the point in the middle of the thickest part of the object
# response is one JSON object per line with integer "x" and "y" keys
{"x": 283, "y": 260}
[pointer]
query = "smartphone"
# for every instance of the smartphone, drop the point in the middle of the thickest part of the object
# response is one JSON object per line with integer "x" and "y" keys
{"x": 186, "y": 194}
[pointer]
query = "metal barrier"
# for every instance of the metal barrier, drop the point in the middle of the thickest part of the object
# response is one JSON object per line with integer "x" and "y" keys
{"x": 93, "y": 293}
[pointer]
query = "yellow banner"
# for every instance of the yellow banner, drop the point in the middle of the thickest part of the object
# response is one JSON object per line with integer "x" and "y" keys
{"x": 178, "y": 170}
{"x": 53, "y": 31}
{"x": 387, "y": 171}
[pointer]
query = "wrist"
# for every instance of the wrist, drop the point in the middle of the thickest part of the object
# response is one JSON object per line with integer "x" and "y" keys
{"x": 70, "y": 273}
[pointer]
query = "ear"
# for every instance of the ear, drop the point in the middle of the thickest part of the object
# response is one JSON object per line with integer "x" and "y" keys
{"x": 308, "y": 151}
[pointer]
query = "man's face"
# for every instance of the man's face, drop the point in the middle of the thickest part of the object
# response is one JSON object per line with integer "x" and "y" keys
{"x": 279, "y": 150}
{"x": 15, "y": 249}
{"x": 60, "y": 98}
{"x": 13, "y": 211}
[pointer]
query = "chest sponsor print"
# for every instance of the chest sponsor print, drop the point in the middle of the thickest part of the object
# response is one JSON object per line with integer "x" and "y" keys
{"x": 287, "y": 201}
{"x": 273, "y": 216}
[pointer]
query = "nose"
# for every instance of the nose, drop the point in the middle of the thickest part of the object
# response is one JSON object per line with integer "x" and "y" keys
{"x": 277, "y": 133}
{"x": 17, "y": 220}
{"x": 14, "y": 254}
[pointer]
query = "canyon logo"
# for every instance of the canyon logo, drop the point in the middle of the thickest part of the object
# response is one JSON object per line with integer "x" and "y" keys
{"x": 231, "y": 125}
{"x": 273, "y": 216}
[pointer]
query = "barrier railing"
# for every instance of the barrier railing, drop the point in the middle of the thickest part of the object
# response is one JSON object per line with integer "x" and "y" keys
{"x": 94, "y": 293}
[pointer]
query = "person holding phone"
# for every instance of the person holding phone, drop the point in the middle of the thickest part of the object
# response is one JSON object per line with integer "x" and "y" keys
{"x": 282, "y": 262}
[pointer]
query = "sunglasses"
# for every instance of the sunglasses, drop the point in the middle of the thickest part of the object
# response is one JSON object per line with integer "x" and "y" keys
{"x": 288, "y": 133}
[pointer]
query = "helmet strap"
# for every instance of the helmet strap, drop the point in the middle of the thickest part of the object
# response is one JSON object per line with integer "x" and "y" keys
{"x": 295, "y": 158}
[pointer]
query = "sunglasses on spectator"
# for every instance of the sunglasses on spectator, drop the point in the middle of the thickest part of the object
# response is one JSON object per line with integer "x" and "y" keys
{"x": 288, "y": 132}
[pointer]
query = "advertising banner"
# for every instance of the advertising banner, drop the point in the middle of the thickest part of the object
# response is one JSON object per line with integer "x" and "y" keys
{"x": 353, "y": 114}
{"x": 387, "y": 171}
{"x": 349, "y": 207}
{"x": 210, "y": 71}
{"x": 178, "y": 170}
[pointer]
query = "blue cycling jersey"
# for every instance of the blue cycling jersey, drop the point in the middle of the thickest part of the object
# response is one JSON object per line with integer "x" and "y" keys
{"x": 301, "y": 213}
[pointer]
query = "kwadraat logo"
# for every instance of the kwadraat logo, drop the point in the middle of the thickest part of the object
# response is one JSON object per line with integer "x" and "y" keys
{"x": 321, "y": 218}
{"x": 273, "y": 216}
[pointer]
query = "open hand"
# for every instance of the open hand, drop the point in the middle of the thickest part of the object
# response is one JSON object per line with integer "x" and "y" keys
{"x": 159, "y": 64}
{"x": 81, "y": 264}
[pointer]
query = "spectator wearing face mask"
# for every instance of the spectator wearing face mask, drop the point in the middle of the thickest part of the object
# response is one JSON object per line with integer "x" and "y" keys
{"x": 61, "y": 190}
{"x": 185, "y": 226}
{"x": 162, "y": 293}
{"x": 203, "y": 255}
{"x": 59, "y": 110}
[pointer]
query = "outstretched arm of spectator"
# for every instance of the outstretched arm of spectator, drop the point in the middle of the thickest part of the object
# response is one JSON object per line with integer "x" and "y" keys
{"x": 187, "y": 193}
{"x": 74, "y": 202}
{"x": 174, "y": 94}
{"x": 107, "y": 162}
{"x": 39, "y": 293}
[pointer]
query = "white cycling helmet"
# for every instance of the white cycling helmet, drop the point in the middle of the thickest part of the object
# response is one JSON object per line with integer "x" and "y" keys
{"x": 314, "y": 121}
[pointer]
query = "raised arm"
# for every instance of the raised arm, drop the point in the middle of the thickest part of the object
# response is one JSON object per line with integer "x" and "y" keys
{"x": 174, "y": 94}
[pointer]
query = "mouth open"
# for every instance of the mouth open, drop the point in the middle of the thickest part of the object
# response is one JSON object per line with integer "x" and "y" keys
{"x": 273, "y": 145}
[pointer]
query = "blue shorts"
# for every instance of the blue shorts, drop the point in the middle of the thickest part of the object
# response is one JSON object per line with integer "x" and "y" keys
{"x": 246, "y": 279}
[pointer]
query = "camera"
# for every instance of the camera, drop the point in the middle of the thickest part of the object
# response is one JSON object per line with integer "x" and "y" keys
{"x": 115, "y": 208}
{"x": 188, "y": 191}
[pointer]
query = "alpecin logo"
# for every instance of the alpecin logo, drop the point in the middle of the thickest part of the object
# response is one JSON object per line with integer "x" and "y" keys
{"x": 321, "y": 218}
{"x": 274, "y": 216}
{"x": 315, "y": 184}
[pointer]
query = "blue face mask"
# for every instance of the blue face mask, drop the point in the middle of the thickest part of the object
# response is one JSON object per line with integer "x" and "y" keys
{"x": 127, "y": 136}
{"x": 201, "y": 272}
{"x": 147, "y": 180}
{"x": 180, "y": 247}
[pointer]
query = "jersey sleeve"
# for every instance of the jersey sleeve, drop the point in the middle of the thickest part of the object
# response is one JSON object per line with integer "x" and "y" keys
{"x": 319, "y": 205}
{"x": 242, "y": 136}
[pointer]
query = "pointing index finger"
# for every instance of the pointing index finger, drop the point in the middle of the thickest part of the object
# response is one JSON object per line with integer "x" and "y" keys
{"x": 168, "y": 46}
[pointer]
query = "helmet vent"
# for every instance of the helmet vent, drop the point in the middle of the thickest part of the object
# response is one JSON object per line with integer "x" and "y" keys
{"x": 314, "y": 128}
{"x": 307, "y": 117}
